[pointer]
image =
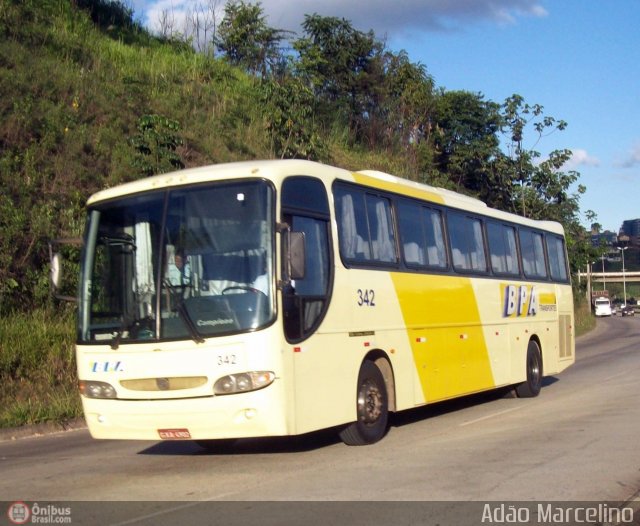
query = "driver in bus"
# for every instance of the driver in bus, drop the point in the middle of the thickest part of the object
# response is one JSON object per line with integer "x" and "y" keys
{"x": 179, "y": 271}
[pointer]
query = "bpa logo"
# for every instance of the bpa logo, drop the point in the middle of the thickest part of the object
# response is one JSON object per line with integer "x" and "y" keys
{"x": 520, "y": 301}
{"x": 19, "y": 513}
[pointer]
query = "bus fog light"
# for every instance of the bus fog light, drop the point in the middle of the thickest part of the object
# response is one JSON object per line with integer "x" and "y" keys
{"x": 243, "y": 382}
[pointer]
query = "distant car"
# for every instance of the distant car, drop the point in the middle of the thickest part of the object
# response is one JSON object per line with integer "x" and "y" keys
{"x": 602, "y": 307}
{"x": 628, "y": 310}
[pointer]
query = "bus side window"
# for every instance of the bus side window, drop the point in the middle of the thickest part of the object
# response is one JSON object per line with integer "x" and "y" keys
{"x": 503, "y": 249}
{"x": 383, "y": 244}
{"x": 421, "y": 235}
{"x": 467, "y": 246}
{"x": 305, "y": 300}
{"x": 557, "y": 259}
{"x": 533, "y": 261}
{"x": 353, "y": 225}
{"x": 365, "y": 227}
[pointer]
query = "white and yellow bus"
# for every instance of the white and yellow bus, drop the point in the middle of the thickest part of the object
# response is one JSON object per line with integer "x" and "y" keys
{"x": 276, "y": 298}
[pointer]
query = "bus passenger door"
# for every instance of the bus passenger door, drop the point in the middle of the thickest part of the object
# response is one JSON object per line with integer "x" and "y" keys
{"x": 305, "y": 301}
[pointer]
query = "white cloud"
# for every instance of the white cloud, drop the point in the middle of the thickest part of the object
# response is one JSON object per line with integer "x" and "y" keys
{"x": 581, "y": 158}
{"x": 632, "y": 158}
{"x": 392, "y": 18}
{"x": 398, "y": 17}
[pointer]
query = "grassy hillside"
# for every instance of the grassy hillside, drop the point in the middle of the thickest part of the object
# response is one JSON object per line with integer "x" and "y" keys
{"x": 85, "y": 107}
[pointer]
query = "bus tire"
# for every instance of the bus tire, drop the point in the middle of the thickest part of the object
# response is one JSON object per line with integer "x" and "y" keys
{"x": 532, "y": 385}
{"x": 372, "y": 407}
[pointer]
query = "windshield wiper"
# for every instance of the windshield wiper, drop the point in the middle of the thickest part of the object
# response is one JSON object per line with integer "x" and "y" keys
{"x": 183, "y": 312}
{"x": 126, "y": 324}
{"x": 188, "y": 321}
{"x": 122, "y": 240}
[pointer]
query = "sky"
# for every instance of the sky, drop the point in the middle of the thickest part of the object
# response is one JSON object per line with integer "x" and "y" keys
{"x": 579, "y": 59}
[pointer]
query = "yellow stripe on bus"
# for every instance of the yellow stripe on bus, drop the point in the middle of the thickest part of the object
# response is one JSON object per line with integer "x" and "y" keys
{"x": 396, "y": 188}
{"x": 447, "y": 340}
{"x": 548, "y": 298}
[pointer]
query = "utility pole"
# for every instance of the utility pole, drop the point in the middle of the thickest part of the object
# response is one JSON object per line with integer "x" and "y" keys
{"x": 624, "y": 281}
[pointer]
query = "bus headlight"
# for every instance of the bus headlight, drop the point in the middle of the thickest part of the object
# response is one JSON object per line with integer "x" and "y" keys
{"x": 93, "y": 389}
{"x": 243, "y": 382}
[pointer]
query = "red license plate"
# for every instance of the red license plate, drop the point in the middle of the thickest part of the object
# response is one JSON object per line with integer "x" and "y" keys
{"x": 174, "y": 434}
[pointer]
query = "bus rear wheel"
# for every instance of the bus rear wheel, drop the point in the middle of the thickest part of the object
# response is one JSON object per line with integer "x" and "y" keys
{"x": 531, "y": 387}
{"x": 372, "y": 408}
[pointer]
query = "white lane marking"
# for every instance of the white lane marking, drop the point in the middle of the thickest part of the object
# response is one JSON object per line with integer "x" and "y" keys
{"x": 492, "y": 415}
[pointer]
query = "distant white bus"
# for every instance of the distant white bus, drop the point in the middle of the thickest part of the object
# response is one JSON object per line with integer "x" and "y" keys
{"x": 274, "y": 298}
{"x": 602, "y": 307}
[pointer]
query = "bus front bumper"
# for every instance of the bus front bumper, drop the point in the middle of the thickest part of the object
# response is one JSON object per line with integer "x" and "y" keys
{"x": 217, "y": 417}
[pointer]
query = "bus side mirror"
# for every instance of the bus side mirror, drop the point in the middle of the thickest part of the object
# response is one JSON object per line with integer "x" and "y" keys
{"x": 297, "y": 255}
{"x": 56, "y": 264}
{"x": 56, "y": 267}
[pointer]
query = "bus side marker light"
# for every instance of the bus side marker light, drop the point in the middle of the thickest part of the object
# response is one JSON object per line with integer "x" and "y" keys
{"x": 464, "y": 336}
{"x": 421, "y": 339}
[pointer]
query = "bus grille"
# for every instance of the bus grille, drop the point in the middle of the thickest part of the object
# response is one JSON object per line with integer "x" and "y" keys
{"x": 164, "y": 384}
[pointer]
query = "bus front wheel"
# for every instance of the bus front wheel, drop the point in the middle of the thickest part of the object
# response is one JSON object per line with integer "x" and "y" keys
{"x": 372, "y": 408}
{"x": 531, "y": 387}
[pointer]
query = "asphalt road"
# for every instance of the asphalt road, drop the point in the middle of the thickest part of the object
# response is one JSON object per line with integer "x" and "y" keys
{"x": 578, "y": 441}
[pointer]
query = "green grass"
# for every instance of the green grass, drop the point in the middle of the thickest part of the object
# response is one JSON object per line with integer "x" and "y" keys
{"x": 38, "y": 380}
{"x": 584, "y": 319}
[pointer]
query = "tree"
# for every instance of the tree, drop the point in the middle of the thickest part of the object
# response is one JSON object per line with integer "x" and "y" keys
{"x": 338, "y": 63}
{"x": 289, "y": 108}
{"x": 541, "y": 189}
{"x": 410, "y": 100}
{"x": 466, "y": 143}
{"x": 247, "y": 40}
{"x": 517, "y": 116}
{"x": 201, "y": 26}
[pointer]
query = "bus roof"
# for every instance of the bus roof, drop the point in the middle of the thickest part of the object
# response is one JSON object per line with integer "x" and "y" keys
{"x": 276, "y": 170}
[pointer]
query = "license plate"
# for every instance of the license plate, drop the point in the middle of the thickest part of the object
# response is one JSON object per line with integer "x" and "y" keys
{"x": 174, "y": 434}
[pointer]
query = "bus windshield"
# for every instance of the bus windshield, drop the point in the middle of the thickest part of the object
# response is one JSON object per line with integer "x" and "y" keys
{"x": 185, "y": 264}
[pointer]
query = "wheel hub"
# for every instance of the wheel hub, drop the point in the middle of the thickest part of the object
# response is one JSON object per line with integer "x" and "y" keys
{"x": 370, "y": 401}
